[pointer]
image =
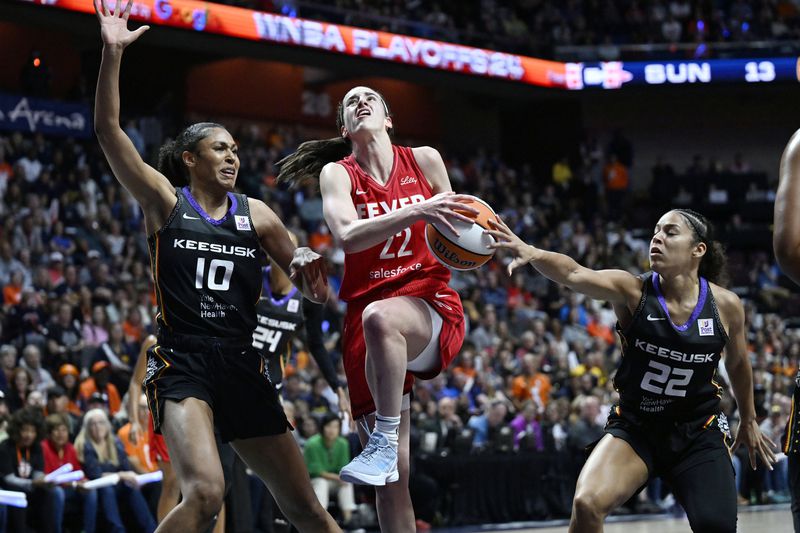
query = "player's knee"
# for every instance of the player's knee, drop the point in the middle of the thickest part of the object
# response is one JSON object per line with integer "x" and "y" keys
{"x": 206, "y": 497}
{"x": 588, "y": 506}
{"x": 377, "y": 319}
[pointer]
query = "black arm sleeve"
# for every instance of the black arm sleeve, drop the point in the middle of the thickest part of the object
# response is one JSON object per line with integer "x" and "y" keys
{"x": 313, "y": 316}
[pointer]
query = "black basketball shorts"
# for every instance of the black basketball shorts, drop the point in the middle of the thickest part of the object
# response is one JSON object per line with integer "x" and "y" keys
{"x": 227, "y": 374}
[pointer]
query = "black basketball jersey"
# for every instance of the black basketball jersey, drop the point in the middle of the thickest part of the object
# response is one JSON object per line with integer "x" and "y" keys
{"x": 669, "y": 369}
{"x": 207, "y": 271}
{"x": 279, "y": 320}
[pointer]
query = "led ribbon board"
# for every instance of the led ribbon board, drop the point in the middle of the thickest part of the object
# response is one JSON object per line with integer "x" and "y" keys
{"x": 269, "y": 27}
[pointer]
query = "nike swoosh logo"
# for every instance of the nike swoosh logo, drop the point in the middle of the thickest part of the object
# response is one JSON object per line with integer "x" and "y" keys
{"x": 360, "y": 192}
{"x": 652, "y": 318}
{"x": 441, "y": 295}
{"x": 187, "y": 217}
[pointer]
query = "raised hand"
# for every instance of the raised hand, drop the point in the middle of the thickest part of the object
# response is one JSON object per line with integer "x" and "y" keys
{"x": 308, "y": 270}
{"x": 508, "y": 240}
{"x": 114, "y": 24}
{"x": 447, "y": 206}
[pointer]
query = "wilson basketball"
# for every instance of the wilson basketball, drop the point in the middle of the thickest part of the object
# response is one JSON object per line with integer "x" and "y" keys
{"x": 470, "y": 249}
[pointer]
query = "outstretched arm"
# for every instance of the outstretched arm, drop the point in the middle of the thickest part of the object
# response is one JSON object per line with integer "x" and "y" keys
{"x": 356, "y": 235}
{"x": 786, "y": 237}
{"x": 150, "y": 188}
{"x": 615, "y": 286}
{"x": 741, "y": 377}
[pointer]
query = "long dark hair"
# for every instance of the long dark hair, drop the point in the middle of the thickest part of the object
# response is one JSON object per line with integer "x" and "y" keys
{"x": 170, "y": 155}
{"x": 305, "y": 164}
{"x": 714, "y": 264}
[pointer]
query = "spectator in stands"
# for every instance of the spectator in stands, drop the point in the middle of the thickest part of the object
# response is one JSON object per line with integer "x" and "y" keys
{"x": 58, "y": 451}
{"x": 326, "y": 453}
{"x": 586, "y": 429}
{"x": 8, "y": 362}
{"x": 442, "y": 427}
{"x": 22, "y": 470}
{"x": 101, "y": 455}
{"x": 99, "y": 383}
{"x": 32, "y": 362}
{"x": 138, "y": 452}
{"x": 616, "y": 183}
{"x": 95, "y": 329}
{"x": 64, "y": 338}
{"x": 531, "y": 384}
{"x": 488, "y": 424}
{"x": 21, "y": 385}
{"x": 68, "y": 376}
{"x": 526, "y": 426}
{"x": 58, "y": 404}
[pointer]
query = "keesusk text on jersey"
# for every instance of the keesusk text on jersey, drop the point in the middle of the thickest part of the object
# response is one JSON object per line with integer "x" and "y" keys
{"x": 202, "y": 246}
{"x": 675, "y": 355}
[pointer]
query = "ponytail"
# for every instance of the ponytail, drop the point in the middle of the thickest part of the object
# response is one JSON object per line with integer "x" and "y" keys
{"x": 170, "y": 155}
{"x": 172, "y": 167}
{"x": 305, "y": 164}
{"x": 714, "y": 264}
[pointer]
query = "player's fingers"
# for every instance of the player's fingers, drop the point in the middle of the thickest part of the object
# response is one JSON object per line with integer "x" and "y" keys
{"x": 450, "y": 226}
{"x": 769, "y": 441}
{"x": 752, "y": 453}
{"x": 97, "y": 10}
{"x": 127, "y": 12}
{"x": 458, "y": 216}
{"x": 117, "y": 8}
{"x": 139, "y": 31}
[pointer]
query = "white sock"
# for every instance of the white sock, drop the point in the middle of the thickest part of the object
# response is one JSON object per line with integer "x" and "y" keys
{"x": 390, "y": 427}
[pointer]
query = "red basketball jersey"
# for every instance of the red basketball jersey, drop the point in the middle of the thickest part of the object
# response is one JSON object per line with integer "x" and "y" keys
{"x": 387, "y": 268}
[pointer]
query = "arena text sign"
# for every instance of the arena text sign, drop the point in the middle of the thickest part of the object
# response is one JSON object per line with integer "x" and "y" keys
{"x": 269, "y": 27}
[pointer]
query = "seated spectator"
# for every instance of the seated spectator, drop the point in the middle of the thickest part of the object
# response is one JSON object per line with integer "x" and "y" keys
{"x": 32, "y": 361}
{"x": 8, "y": 362}
{"x": 98, "y": 382}
{"x": 489, "y": 423}
{"x": 102, "y": 454}
{"x": 531, "y": 382}
{"x": 21, "y": 385}
{"x": 95, "y": 329}
{"x": 64, "y": 340}
{"x": 326, "y": 454}
{"x": 68, "y": 378}
{"x": 22, "y": 470}
{"x": 439, "y": 431}
{"x": 318, "y": 404}
{"x": 58, "y": 404}
{"x": 586, "y": 429}
{"x": 58, "y": 451}
{"x": 526, "y": 425}
{"x": 138, "y": 452}
{"x": 119, "y": 353}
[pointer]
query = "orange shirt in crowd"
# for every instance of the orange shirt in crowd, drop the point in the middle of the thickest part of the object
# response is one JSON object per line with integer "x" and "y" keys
{"x": 140, "y": 450}
{"x": 616, "y": 175}
{"x": 88, "y": 387}
{"x": 522, "y": 385}
{"x": 12, "y": 294}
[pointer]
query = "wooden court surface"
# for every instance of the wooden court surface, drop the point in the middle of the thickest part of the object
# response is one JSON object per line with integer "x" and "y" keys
{"x": 767, "y": 519}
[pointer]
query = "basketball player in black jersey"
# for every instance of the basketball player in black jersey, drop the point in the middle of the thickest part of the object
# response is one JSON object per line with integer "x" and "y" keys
{"x": 282, "y": 313}
{"x": 674, "y": 323}
{"x": 205, "y": 244}
{"x": 786, "y": 241}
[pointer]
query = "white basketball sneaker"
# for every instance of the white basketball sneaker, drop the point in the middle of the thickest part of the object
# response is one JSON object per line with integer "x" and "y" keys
{"x": 375, "y": 465}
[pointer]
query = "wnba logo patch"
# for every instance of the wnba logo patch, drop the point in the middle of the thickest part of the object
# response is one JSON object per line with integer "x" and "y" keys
{"x": 706, "y": 327}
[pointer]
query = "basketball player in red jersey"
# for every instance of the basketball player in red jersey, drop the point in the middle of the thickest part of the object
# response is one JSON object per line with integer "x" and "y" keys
{"x": 402, "y": 318}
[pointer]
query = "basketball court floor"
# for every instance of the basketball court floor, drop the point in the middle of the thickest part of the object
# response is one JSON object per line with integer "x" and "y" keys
{"x": 762, "y": 519}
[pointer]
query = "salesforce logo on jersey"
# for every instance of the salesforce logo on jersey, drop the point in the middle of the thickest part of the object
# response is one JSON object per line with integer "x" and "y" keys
{"x": 21, "y": 113}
